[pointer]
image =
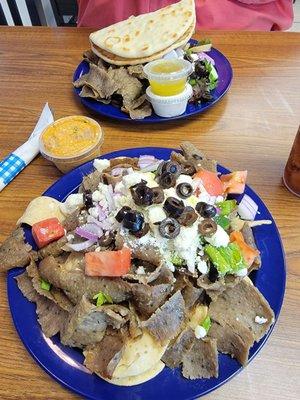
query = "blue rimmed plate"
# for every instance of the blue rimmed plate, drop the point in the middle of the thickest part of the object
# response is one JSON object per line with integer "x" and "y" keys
{"x": 65, "y": 363}
{"x": 225, "y": 77}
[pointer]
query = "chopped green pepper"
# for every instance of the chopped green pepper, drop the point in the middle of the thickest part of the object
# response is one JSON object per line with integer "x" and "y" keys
{"x": 206, "y": 324}
{"x": 223, "y": 221}
{"x": 217, "y": 259}
{"x": 226, "y": 206}
{"x": 45, "y": 285}
{"x": 176, "y": 260}
{"x": 102, "y": 298}
{"x": 226, "y": 259}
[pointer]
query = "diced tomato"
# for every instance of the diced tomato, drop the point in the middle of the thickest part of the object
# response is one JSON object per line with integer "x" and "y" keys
{"x": 234, "y": 182}
{"x": 108, "y": 262}
{"x": 47, "y": 231}
{"x": 210, "y": 181}
{"x": 249, "y": 253}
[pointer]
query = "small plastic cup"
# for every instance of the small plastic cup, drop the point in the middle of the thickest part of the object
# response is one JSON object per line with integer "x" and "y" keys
{"x": 67, "y": 162}
{"x": 169, "y": 106}
{"x": 168, "y": 77}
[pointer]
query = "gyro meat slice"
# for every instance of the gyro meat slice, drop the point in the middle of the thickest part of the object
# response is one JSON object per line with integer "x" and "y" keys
{"x": 53, "y": 294}
{"x": 243, "y": 303}
{"x": 55, "y": 248}
{"x": 146, "y": 299}
{"x": 176, "y": 350}
{"x": 197, "y": 158}
{"x": 14, "y": 252}
{"x": 75, "y": 283}
{"x": 50, "y": 315}
{"x": 233, "y": 339}
{"x": 201, "y": 361}
{"x": 104, "y": 356}
{"x": 99, "y": 80}
{"x": 140, "y": 112}
{"x": 166, "y": 322}
{"x": 87, "y": 323}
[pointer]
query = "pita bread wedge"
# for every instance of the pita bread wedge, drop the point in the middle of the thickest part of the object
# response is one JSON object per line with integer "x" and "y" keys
{"x": 138, "y": 379}
{"x": 140, "y": 355}
{"x": 41, "y": 208}
{"x": 146, "y": 37}
{"x": 117, "y": 60}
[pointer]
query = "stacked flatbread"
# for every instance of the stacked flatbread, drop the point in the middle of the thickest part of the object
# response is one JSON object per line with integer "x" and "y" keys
{"x": 146, "y": 37}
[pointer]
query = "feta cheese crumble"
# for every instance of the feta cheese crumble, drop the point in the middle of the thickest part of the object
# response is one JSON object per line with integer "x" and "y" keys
{"x": 200, "y": 332}
{"x": 260, "y": 320}
{"x": 242, "y": 272}
{"x": 100, "y": 165}
{"x": 219, "y": 238}
{"x": 72, "y": 202}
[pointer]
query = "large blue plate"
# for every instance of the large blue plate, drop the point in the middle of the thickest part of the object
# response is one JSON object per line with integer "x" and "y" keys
{"x": 65, "y": 364}
{"x": 225, "y": 77}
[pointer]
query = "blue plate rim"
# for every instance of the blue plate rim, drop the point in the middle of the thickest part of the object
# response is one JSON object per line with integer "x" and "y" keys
{"x": 117, "y": 153}
{"x": 102, "y": 109}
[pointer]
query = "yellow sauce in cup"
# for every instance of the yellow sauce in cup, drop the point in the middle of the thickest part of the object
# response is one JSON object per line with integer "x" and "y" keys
{"x": 71, "y": 141}
{"x": 168, "y": 88}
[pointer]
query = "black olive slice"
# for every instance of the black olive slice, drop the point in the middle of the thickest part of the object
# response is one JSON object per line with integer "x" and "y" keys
{"x": 169, "y": 228}
{"x": 133, "y": 220}
{"x": 142, "y": 195}
{"x": 121, "y": 213}
{"x": 188, "y": 217}
{"x": 88, "y": 199}
{"x": 107, "y": 239}
{"x": 206, "y": 210}
{"x": 188, "y": 169}
{"x": 184, "y": 190}
{"x": 172, "y": 167}
{"x": 207, "y": 227}
{"x": 173, "y": 207}
{"x": 213, "y": 273}
{"x": 167, "y": 180}
{"x": 141, "y": 232}
{"x": 158, "y": 195}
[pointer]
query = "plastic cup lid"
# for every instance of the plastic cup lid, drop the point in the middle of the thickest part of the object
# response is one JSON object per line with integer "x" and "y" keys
{"x": 185, "y": 68}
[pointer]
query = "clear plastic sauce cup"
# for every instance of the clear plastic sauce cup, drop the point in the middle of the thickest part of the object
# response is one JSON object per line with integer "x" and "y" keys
{"x": 168, "y": 77}
{"x": 71, "y": 141}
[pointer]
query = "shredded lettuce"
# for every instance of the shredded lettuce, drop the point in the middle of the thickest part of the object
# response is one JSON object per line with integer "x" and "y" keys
{"x": 206, "y": 324}
{"x": 45, "y": 285}
{"x": 102, "y": 298}
{"x": 227, "y": 259}
{"x": 213, "y": 75}
{"x": 203, "y": 41}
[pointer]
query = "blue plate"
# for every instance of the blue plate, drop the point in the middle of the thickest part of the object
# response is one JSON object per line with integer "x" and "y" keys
{"x": 65, "y": 363}
{"x": 225, "y": 77}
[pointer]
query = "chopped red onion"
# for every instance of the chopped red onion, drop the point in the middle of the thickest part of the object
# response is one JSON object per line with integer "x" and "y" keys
{"x": 117, "y": 171}
{"x": 89, "y": 231}
{"x": 203, "y": 56}
{"x": 110, "y": 198}
{"x": 247, "y": 208}
{"x": 81, "y": 246}
{"x": 151, "y": 167}
{"x": 85, "y": 234}
{"x": 145, "y": 161}
{"x": 102, "y": 214}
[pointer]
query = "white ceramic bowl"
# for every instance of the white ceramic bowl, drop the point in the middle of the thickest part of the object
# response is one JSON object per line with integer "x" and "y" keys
{"x": 170, "y": 106}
